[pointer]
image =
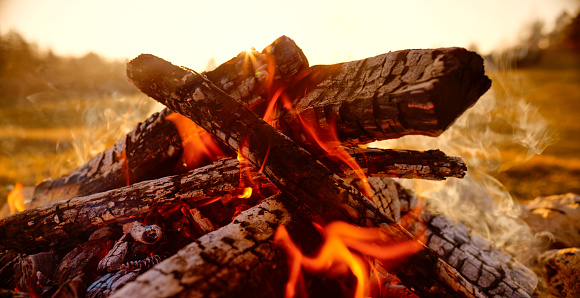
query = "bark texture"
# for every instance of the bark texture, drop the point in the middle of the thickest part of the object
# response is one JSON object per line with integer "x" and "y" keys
{"x": 238, "y": 260}
{"x": 58, "y": 223}
{"x": 293, "y": 170}
{"x": 389, "y": 95}
{"x": 432, "y": 164}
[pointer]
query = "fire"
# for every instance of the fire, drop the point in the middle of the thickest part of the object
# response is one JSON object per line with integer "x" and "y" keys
{"x": 246, "y": 194}
{"x": 198, "y": 144}
{"x": 16, "y": 199}
{"x": 327, "y": 139}
{"x": 341, "y": 253}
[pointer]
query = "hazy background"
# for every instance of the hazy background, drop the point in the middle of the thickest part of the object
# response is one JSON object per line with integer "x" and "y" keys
{"x": 64, "y": 96}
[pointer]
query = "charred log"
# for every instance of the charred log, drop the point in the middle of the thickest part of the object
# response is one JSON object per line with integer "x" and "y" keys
{"x": 293, "y": 170}
{"x": 432, "y": 164}
{"x": 390, "y": 95}
{"x": 239, "y": 259}
{"x": 35, "y": 229}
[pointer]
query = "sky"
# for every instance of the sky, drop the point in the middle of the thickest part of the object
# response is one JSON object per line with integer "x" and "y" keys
{"x": 190, "y": 33}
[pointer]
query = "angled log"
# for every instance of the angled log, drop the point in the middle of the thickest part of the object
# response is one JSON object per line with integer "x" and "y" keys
{"x": 294, "y": 171}
{"x": 390, "y": 95}
{"x": 154, "y": 148}
{"x": 57, "y": 223}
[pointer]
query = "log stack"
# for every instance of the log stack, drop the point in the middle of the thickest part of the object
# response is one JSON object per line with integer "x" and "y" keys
{"x": 148, "y": 217}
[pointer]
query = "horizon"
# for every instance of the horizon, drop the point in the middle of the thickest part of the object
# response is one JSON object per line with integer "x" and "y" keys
{"x": 328, "y": 32}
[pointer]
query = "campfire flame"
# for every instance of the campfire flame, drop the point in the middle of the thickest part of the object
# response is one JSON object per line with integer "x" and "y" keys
{"x": 341, "y": 253}
{"x": 198, "y": 144}
{"x": 16, "y": 199}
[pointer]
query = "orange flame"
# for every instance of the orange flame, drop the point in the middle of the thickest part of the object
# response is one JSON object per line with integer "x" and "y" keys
{"x": 16, "y": 199}
{"x": 327, "y": 139}
{"x": 198, "y": 144}
{"x": 336, "y": 254}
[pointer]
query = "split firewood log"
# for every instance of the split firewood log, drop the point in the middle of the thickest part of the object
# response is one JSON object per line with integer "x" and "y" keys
{"x": 294, "y": 171}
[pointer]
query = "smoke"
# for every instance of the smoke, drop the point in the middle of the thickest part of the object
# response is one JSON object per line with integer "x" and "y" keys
{"x": 500, "y": 131}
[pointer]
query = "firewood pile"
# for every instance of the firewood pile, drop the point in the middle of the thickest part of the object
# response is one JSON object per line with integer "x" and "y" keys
{"x": 252, "y": 167}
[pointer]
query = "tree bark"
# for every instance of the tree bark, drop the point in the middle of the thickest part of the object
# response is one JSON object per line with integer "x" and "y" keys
{"x": 154, "y": 148}
{"x": 389, "y": 95}
{"x": 293, "y": 170}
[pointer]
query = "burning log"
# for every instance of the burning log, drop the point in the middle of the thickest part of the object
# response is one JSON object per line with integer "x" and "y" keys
{"x": 154, "y": 148}
{"x": 293, "y": 170}
{"x": 432, "y": 164}
{"x": 238, "y": 259}
{"x": 35, "y": 229}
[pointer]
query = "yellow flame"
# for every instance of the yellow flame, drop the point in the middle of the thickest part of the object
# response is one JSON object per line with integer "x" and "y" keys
{"x": 16, "y": 199}
{"x": 246, "y": 194}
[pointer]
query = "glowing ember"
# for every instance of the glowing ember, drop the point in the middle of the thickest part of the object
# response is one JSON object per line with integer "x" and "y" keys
{"x": 16, "y": 199}
{"x": 198, "y": 145}
{"x": 246, "y": 194}
{"x": 336, "y": 256}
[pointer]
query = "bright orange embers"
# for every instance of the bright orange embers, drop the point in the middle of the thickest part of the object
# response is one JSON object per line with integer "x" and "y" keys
{"x": 16, "y": 199}
{"x": 342, "y": 253}
{"x": 198, "y": 145}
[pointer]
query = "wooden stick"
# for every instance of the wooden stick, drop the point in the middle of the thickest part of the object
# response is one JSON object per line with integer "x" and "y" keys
{"x": 293, "y": 170}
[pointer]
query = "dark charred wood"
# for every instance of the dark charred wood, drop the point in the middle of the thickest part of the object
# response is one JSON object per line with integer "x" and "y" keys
{"x": 72, "y": 288}
{"x": 237, "y": 260}
{"x": 8, "y": 258}
{"x": 83, "y": 258}
{"x": 154, "y": 148}
{"x": 293, "y": 170}
{"x": 34, "y": 273}
{"x": 390, "y": 95}
{"x": 34, "y": 230}
{"x": 432, "y": 164}
{"x": 4, "y": 293}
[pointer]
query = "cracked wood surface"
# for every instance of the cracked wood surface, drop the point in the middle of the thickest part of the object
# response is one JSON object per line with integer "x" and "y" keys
{"x": 239, "y": 259}
{"x": 35, "y": 229}
{"x": 431, "y": 164}
{"x": 493, "y": 271}
{"x": 389, "y": 95}
{"x": 154, "y": 148}
{"x": 293, "y": 170}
